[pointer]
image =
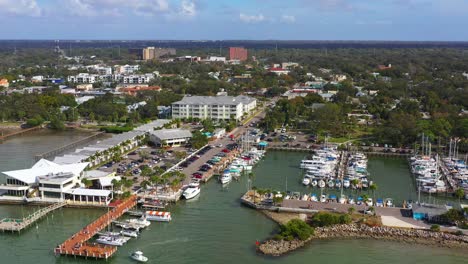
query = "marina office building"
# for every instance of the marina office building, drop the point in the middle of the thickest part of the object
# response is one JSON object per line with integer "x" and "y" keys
{"x": 213, "y": 107}
{"x": 170, "y": 137}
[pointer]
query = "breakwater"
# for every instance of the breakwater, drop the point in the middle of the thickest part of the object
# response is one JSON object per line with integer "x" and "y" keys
{"x": 361, "y": 231}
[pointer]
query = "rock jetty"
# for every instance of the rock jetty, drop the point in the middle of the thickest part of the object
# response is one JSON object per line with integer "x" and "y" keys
{"x": 425, "y": 237}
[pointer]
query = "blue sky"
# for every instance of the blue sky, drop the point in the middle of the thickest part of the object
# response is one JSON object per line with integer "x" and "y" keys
{"x": 235, "y": 19}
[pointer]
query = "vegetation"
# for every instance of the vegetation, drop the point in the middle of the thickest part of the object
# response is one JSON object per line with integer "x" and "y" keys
{"x": 198, "y": 140}
{"x": 435, "y": 228}
{"x": 295, "y": 229}
{"x": 321, "y": 219}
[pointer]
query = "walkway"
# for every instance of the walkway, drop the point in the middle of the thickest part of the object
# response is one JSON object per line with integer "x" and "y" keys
{"x": 77, "y": 245}
{"x": 16, "y": 225}
{"x": 17, "y": 133}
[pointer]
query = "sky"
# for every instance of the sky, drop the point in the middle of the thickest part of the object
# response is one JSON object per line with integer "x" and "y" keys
{"x": 406, "y": 20}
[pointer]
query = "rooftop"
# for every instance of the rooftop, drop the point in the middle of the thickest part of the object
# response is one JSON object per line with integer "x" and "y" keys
{"x": 214, "y": 100}
{"x": 165, "y": 134}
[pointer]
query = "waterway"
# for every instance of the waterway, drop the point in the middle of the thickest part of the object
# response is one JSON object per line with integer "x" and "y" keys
{"x": 214, "y": 228}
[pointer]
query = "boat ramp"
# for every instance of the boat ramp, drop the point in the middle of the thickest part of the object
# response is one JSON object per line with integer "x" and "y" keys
{"x": 16, "y": 225}
{"x": 78, "y": 244}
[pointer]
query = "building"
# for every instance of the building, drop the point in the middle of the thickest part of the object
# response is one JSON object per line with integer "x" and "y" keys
{"x": 216, "y": 59}
{"x": 126, "y": 69}
{"x": 45, "y": 179}
{"x": 289, "y": 65}
{"x": 4, "y": 83}
{"x": 238, "y": 53}
{"x": 429, "y": 212}
{"x": 213, "y": 107}
{"x": 151, "y": 53}
{"x": 134, "y": 78}
{"x": 279, "y": 71}
{"x": 37, "y": 79}
{"x": 134, "y": 90}
{"x": 84, "y": 87}
{"x": 170, "y": 137}
{"x": 83, "y": 78}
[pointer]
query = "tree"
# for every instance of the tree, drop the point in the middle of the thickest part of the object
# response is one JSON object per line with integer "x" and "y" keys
{"x": 198, "y": 140}
{"x": 351, "y": 210}
{"x": 459, "y": 193}
{"x": 435, "y": 228}
{"x": 144, "y": 154}
{"x": 87, "y": 182}
{"x": 373, "y": 188}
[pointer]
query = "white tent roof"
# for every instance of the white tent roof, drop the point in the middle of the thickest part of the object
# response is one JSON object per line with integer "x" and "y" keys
{"x": 45, "y": 168}
{"x": 89, "y": 192}
{"x": 107, "y": 181}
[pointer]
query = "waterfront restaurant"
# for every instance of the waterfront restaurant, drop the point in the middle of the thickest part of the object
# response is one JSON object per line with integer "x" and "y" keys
{"x": 84, "y": 196}
{"x": 51, "y": 179}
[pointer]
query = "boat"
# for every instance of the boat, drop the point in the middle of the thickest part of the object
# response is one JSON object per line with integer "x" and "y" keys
{"x": 351, "y": 201}
{"x": 138, "y": 256}
{"x": 225, "y": 178}
{"x": 111, "y": 240}
{"x": 369, "y": 202}
{"x": 379, "y": 203}
{"x": 141, "y": 222}
{"x": 306, "y": 181}
{"x": 313, "y": 183}
{"x": 342, "y": 199}
{"x": 346, "y": 183}
{"x": 323, "y": 198}
{"x": 159, "y": 216}
{"x": 305, "y": 197}
{"x": 389, "y": 202}
{"x": 129, "y": 233}
{"x": 337, "y": 183}
{"x": 313, "y": 198}
{"x": 332, "y": 198}
{"x": 321, "y": 184}
{"x": 192, "y": 191}
{"x": 331, "y": 183}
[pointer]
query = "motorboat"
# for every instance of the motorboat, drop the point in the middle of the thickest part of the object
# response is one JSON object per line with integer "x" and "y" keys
{"x": 306, "y": 181}
{"x": 111, "y": 240}
{"x": 138, "y": 256}
{"x": 313, "y": 198}
{"x": 141, "y": 222}
{"x": 305, "y": 197}
{"x": 342, "y": 199}
{"x": 331, "y": 183}
{"x": 351, "y": 201}
{"x": 313, "y": 183}
{"x": 323, "y": 198}
{"x": 129, "y": 233}
{"x": 337, "y": 183}
{"x": 192, "y": 191}
{"x": 379, "y": 202}
{"x": 159, "y": 216}
{"x": 321, "y": 184}
{"x": 369, "y": 202}
{"x": 225, "y": 178}
{"x": 389, "y": 202}
{"x": 346, "y": 183}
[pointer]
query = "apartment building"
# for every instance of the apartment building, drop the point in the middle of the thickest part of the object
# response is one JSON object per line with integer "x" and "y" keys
{"x": 213, "y": 107}
{"x": 126, "y": 69}
{"x": 151, "y": 53}
{"x": 237, "y": 53}
{"x": 83, "y": 78}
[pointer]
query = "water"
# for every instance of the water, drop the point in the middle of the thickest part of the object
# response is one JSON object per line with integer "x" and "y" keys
{"x": 211, "y": 229}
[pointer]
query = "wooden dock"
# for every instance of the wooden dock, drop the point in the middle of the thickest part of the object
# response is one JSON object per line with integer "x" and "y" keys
{"x": 59, "y": 150}
{"x": 78, "y": 245}
{"x": 16, "y": 225}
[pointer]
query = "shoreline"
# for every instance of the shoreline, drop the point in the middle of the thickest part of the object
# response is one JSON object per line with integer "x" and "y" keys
{"x": 273, "y": 247}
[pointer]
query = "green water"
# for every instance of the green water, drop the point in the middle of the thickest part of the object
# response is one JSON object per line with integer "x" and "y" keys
{"x": 211, "y": 229}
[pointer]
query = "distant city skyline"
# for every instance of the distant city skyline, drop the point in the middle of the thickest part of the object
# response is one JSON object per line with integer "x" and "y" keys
{"x": 404, "y": 20}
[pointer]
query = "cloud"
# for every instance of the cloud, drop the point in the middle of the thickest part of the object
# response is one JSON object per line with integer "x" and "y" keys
{"x": 20, "y": 7}
{"x": 91, "y": 8}
{"x": 288, "y": 19}
{"x": 251, "y": 18}
{"x": 188, "y": 8}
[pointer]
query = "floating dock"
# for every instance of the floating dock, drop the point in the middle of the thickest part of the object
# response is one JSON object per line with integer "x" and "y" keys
{"x": 16, "y": 225}
{"x": 77, "y": 245}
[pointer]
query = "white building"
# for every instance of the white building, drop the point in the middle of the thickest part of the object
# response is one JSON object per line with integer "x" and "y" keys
{"x": 45, "y": 179}
{"x": 126, "y": 69}
{"x": 134, "y": 78}
{"x": 170, "y": 137}
{"x": 213, "y": 107}
{"x": 215, "y": 59}
{"x": 83, "y": 78}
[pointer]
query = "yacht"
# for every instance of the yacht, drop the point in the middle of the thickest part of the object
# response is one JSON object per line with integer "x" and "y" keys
{"x": 139, "y": 222}
{"x": 306, "y": 181}
{"x": 129, "y": 233}
{"x": 342, "y": 199}
{"x": 192, "y": 191}
{"x": 111, "y": 240}
{"x": 331, "y": 183}
{"x": 346, "y": 183}
{"x": 159, "y": 216}
{"x": 321, "y": 184}
{"x": 323, "y": 198}
{"x": 225, "y": 178}
{"x": 313, "y": 198}
{"x": 138, "y": 256}
{"x": 313, "y": 183}
{"x": 388, "y": 202}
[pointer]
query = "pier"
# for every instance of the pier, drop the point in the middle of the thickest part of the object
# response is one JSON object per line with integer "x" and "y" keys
{"x": 16, "y": 225}
{"x": 59, "y": 150}
{"x": 19, "y": 133}
{"x": 78, "y": 245}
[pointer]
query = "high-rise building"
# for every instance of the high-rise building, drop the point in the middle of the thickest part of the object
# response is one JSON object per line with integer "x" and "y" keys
{"x": 151, "y": 53}
{"x": 237, "y": 53}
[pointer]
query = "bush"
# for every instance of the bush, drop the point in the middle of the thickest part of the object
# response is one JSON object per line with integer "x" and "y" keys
{"x": 116, "y": 129}
{"x": 295, "y": 228}
{"x": 36, "y": 121}
{"x": 328, "y": 219}
{"x": 435, "y": 228}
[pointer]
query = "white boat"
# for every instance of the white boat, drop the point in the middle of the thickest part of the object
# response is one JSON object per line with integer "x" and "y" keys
{"x": 306, "y": 181}
{"x": 129, "y": 233}
{"x": 331, "y": 183}
{"x": 351, "y": 201}
{"x": 141, "y": 222}
{"x": 313, "y": 198}
{"x": 321, "y": 184}
{"x": 369, "y": 202}
{"x": 159, "y": 216}
{"x": 225, "y": 178}
{"x": 111, "y": 240}
{"x": 138, "y": 256}
{"x": 192, "y": 191}
{"x": 305, "y": 197}
{"x": 388, "y": 202}
{"x": 342, "y": 199}
{"x": 323, "y": 198}
{"x": 314, "y": 183}
{"x": 346, "y": 183}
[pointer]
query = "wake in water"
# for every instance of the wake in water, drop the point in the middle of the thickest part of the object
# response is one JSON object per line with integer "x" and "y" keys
{"x": 171, "y": 241}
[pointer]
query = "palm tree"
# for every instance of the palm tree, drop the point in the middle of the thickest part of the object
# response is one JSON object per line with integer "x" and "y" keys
{"x": 355, "y": 182}
{"x": 351, "y": 210}
{"x": 373, "y": 187}
{"x": 145, "y": 184}
{"x": 459, "y": 193}
{"x": 87, "y": 183}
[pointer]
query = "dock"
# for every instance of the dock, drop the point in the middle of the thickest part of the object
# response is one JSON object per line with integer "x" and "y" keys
{"x": 61, "y": 149}
{"x": 16, "y": 225}
{"x": 78, "y": 245}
